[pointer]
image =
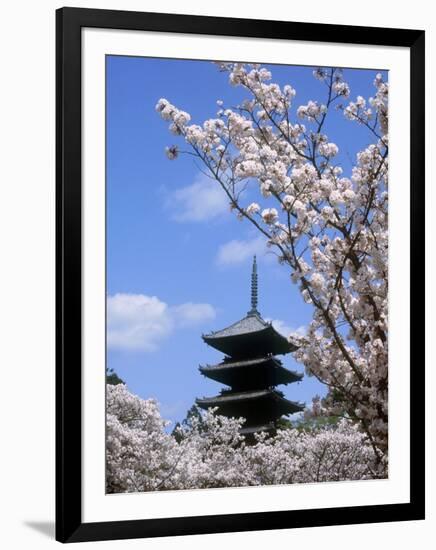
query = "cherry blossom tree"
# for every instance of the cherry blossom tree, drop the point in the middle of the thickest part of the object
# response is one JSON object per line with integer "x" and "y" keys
{"x": 329, "y": 229}
{"x": 210, "y": 451}
{"x": 140, "y": 455}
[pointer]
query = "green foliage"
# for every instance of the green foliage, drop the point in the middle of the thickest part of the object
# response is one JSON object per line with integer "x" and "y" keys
{"x": 284, "y": 423}
{"x": 193, "y": 412}
{"x": 113, "y": 378}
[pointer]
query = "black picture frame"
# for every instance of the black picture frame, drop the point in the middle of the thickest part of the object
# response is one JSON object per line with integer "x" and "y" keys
{"x": 69, "y": 525}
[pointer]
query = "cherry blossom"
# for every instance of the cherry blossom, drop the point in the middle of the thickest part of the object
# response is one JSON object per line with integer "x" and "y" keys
{"x": 142, "y": 456}
{"x": 330, "y": 229}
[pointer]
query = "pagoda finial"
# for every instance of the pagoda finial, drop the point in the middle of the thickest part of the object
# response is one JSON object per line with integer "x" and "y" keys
{"x": 254, "y": 287}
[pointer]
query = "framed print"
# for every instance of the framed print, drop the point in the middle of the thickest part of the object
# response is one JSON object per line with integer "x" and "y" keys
{"x": 239, "y": 331}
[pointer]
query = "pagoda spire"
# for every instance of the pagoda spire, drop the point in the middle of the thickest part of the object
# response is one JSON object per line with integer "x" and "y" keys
{"x": 254, "y": 300}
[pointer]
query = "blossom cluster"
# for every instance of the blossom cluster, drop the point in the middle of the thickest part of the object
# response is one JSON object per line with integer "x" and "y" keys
{"x": 210, "y": 452}
{"x": 330, "y": 228}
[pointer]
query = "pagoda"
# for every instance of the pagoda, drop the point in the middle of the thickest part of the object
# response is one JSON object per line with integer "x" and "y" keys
{"x": 251, "y": 371}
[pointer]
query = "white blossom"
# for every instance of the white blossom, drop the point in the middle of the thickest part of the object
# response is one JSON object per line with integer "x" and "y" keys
{"x": 253, "y": 208}
{"x": 210, "y": 452}
{"x": 269, "y": 215}
{"x": 317, "y": 281}
{"x": 311, "y": 111}
{"x": 328, "y": 149}
{"x": 171, "y": 152}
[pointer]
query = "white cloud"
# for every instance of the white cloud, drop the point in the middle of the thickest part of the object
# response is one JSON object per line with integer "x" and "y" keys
{"x": 137, "y": 322}
{"x": 285, "y": 329}
{"x": 191, "y": 314}
{"x": 141, "y": 323}
{"x": 238, "y": 251}
{"x": 201, "y": 201}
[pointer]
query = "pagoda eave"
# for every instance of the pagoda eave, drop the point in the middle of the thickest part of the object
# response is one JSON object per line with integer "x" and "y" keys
{"x": 268, "y": 399}
{"x": 267, "y": 371}
{"x": 251, "y": 344}
{"x": 251, "y": 336}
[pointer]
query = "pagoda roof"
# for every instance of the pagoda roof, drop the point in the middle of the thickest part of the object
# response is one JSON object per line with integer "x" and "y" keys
{"x": 229, "y": 370}
{"x": 288, "y": 407}
{"x": 252, "y": 335}
{"x": 252, "y": 322}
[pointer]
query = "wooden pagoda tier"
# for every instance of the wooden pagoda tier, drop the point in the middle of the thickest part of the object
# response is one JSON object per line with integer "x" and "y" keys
{"x": 251, "y": 374}
{"x": 251, "y": 371}
{"x": 249, "y": 337}
{"x": 260, "y": 407}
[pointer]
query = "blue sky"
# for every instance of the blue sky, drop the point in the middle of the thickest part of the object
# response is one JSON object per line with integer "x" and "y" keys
{"x": 178, "y": 262}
